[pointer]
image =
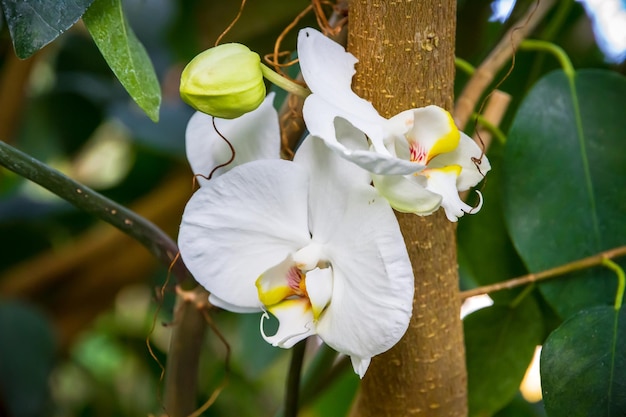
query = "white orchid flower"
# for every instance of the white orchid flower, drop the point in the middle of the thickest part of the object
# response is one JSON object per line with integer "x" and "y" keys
{"x": 419, "y": 159}
{"x": 309, "y": 241}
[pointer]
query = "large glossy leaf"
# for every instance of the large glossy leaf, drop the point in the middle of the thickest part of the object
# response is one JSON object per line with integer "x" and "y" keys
{"x": 583, "y": 365}
{"x": 35, "y": 23}
{"x": 500, "y": 342}
{"x": 124, "y": 53}
{"x": 565, "y": 176}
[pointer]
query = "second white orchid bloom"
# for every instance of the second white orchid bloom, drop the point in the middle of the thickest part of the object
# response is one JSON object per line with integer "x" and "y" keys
{"x": 253, "y": 136}
{"x": 309, "y": 241}
{"x": 419, "y": 160}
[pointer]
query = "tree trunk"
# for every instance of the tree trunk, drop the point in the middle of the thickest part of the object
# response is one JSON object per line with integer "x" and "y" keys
{"x": 406, "y": 59}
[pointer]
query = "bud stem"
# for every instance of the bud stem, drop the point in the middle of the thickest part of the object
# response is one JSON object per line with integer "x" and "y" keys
{"x": 283, "y": 82}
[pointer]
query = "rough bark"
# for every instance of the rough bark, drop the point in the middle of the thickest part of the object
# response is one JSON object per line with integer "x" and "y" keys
{"x": 406, "y": 59}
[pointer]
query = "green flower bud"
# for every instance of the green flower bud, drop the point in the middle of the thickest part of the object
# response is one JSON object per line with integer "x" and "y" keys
{"x": 225, "y": 81}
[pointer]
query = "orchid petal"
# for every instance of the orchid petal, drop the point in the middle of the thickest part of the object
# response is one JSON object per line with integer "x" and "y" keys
{"x": 295, "y": 319}
{"x": 279, "y": 282}
{"x": 465, "y": 156}
{"x": 407, "y": 194}
{"x": 431, "y": 129}
{"x": 255, "y": 135}
{"x": 242, "y": 223}
{"x": 443, "y": 182}
{"x": 319, "y": 287}
{"x": 321, "y": 117}
{"x": 360, "y": 365}
{"x": 331, "y": 178}
{"x": 328, "y": 69}
{"x": 350, "y": 141}
{"x": 308, "y": 257}
{"x": 372, "y": 279}
{"x": 218, "y": 302}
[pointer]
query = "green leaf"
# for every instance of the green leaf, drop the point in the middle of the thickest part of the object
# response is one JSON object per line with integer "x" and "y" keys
{"x": 500, "y": 343}
{"x": 565, "y": 177}
{"x": 35, "y": 23}
{"x": 256, "y": 354}
{"x": 125, "y": 54}
{"x": 27, "y": 351}
{"x": 583, "y": 365}
{"x": 337, "y": 397}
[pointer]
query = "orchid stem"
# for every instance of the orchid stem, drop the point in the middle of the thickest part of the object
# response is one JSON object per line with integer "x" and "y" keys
{"x": 591, "y": 261}
{"x": 293, "y": 380}
{"x": 145, "y": 232}
{"x": 555, "y": 50}
{"x": 327, "y": 380}
{"x": 284, "y": 83}
{"x": 490, "y": 127}
{"x": 318, "y": 369}
{"x": 621, "y": 281}
{"x": 464, "y": 66}
{"x": 520, "y": 297}
{"x": 320, "y": 375}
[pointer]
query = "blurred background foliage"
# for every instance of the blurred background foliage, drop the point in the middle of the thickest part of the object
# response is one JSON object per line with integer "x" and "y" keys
{"x": 78, "y": 299}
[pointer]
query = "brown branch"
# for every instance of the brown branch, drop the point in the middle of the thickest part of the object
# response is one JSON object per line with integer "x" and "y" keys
{"x": 424, "y": 374}
{"x": 186, "y": 341}
{"x": 139, "y": 228}
{"x": 503, "y": 51}
{"x": 78, "y": 281}
{"x": 591, "y": 261}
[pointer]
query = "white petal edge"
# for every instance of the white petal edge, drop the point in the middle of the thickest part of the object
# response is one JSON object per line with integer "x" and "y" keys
{"x": 331, "y": 178}
{"x": 322, "y": 122}
{"x": 372, "y": 279}
{"x": 464, "y": 155}
{"x": 240, "y": 224}
{"x": 444, "y": 183}
{"x": 328, "y": 69}
{"x": 295, "y": 319}
{"x": 319, "y": 287}
{"x": 218, "y": 302}
{"x": 407, "y": 194}
{"x": 255, "y": 135}
{"x": 360, "y": 365}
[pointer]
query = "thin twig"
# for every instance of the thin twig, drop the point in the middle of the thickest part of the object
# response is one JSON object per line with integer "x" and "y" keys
{"x": 88, "y": 200}
{"x": 216, "y": 392}
{"x": 186, "y": 341}
{"x": 495, "y": 109}
{"x": 230, "y": 26}
{"x": 595, "y": 260}
{"x": 290, "y": 115}
{"x": 503, "y": 51}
